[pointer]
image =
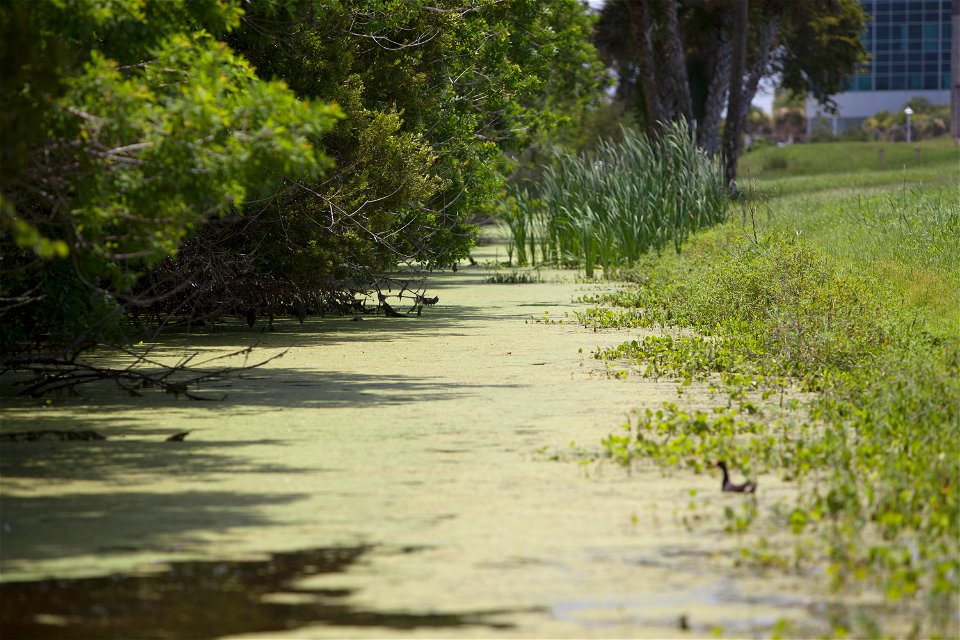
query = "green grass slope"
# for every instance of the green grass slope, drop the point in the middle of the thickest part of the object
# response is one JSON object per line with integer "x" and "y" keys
{"x": 899, "y": 225}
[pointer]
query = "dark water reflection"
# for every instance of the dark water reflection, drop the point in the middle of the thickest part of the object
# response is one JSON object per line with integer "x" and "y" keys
{"x": 205, "y": 599}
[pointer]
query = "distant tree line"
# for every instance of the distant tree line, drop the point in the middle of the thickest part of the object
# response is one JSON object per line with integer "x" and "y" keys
{"x": 696, "y": 59}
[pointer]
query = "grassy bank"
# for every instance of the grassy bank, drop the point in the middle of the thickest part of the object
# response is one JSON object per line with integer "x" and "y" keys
{"x": 851, "y": 164}
{"x": 898, "y": 226}
{"x": 844, "y": 299}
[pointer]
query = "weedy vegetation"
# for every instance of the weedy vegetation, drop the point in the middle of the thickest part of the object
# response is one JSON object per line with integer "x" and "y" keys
{"x": 827, "y": 331}
{"x": 613, "y": 206}
{"x": 514, "y": 277}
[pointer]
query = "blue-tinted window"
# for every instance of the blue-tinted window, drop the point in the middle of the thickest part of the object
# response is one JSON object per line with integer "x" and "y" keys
{"x": 908, "y": 43}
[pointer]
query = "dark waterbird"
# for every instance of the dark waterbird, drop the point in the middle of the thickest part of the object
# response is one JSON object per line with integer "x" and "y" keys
{"x": 747, "y": 487}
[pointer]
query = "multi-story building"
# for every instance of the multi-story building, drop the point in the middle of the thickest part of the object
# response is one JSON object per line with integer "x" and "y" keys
{"x": 909, "y": 42}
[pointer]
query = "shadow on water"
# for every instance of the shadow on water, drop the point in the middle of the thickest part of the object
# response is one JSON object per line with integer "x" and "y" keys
{"x": 374, "y": 328}
{"x": 63, "y": 526}
{"x": 207, "y": 599}
{"x": 273, "y": 388}
{"x": 276, "y": 385}
{"x": 128, "y": 461}
{"x": 162, "y": 515}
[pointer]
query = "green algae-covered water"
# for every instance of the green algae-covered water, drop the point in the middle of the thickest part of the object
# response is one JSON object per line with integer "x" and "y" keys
{"x": 385, "y": 477}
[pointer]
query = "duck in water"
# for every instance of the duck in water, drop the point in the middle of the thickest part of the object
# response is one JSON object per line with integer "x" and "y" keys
{"x": 747, "y": 487}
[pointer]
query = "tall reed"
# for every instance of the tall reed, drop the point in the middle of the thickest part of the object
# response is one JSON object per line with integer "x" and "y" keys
{"x": 611, "y": 206}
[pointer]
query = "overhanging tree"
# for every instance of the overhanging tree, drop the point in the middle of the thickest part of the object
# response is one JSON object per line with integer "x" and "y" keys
{"x": 126, "y": 125}
{"x": 153, "y": 167}
{"x": 434, "y": 94}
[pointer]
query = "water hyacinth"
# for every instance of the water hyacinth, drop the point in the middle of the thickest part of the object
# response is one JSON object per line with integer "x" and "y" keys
{"x": 611, "y": 206}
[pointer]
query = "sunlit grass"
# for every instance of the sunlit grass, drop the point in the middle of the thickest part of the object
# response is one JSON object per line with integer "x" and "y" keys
{"x": 834, "y": 158}
{"x": 900, "y": 227}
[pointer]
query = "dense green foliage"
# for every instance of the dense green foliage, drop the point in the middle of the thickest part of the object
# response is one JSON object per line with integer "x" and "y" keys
{"x": 433, "y": 97}
{"x": 140, "y": 126}
{"x": 616, "y": 203}
{"x": 928, "y": 121}
{"x": 873, "y": 450}
{"x": 186, "y": 157}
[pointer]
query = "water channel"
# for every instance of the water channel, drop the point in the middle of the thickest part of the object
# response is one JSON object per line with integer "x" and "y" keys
{"x": 390, "y": 477}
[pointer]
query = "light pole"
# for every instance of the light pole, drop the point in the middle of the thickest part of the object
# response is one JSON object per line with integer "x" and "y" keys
{"x": 909, "y": 113}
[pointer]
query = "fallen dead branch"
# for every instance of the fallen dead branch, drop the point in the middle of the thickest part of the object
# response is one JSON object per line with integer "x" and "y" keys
{"x": 58, "y": 373}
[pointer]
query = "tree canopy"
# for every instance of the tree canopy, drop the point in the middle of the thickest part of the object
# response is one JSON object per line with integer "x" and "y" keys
{"x": 206, "y": 156}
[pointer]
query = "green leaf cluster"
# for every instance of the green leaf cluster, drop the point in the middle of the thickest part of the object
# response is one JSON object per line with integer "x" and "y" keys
{"x": 203, "y": 157}
{"x": 134, "y": 125}
{"x": 433, "y": 98}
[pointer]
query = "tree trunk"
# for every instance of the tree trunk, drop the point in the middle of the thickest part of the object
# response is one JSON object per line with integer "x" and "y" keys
{"x": 641, "y": 22}
{"x": 758, "y": 67}
{"x": 731, "y": 132}
{"x": 708, "y": 130}
{"x": 676, "y": 64}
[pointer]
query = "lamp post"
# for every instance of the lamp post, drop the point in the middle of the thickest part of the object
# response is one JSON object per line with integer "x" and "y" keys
{"x": 909, "y": 113}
